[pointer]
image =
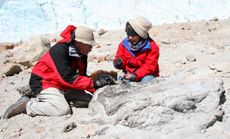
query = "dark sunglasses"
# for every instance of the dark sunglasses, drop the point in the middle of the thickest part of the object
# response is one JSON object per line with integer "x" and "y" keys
{"x": 131, "y": 33}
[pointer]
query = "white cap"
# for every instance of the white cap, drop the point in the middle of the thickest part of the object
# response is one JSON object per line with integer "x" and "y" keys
{"x": 85, "y": 35}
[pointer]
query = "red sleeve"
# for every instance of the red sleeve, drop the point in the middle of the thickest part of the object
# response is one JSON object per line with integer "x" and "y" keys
{"x": 121, "y": 53}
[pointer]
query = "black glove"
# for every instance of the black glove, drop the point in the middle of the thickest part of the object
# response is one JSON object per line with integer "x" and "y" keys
{"x": 117, "y": 62}
{"x": 102, "y": 80}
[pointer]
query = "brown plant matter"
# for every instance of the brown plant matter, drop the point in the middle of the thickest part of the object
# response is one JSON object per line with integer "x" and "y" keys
{"x": 97, "y": 73}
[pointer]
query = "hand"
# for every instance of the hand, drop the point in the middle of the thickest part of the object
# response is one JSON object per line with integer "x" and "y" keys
{"x": 121, "y": 75}
{"x": 117, "y": 62}
{"x": 130, "y": 77}
{"x": 103, "y": 80}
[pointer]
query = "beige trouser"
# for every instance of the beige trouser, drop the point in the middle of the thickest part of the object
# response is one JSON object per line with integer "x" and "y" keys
{"x": 50, "y": 102}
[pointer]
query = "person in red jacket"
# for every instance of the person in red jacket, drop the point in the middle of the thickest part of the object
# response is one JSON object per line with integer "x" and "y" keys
{"x": 59, "y": 70}
{"x": 137, "y": 55}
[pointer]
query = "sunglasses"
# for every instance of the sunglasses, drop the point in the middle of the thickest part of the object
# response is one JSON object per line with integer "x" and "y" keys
{"x": 131, "y": 33}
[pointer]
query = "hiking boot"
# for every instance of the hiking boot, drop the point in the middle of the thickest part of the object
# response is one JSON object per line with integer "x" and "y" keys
{"x": 17, "y": 108}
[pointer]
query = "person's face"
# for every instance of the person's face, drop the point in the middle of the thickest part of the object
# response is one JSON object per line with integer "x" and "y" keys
{"x": 134, "y": 39}
{"x": 85, "y": 48}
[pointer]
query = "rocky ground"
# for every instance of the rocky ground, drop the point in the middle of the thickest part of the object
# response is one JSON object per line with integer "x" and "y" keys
{"x": 190, "y": 100}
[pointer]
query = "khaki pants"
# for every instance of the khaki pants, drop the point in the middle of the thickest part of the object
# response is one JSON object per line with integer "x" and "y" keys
{"x": 50, "y": 102}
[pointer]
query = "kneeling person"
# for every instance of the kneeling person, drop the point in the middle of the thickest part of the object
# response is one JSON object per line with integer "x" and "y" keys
{"x": 62, "y": 68}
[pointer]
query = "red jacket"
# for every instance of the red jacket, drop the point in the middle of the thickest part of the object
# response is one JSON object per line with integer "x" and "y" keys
{"x": 61, "y": 67}
{"x": 141, "y": 63}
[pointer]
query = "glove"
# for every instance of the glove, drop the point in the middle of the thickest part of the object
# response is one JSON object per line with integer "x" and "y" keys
{"x": 130, "y": 77}
{"x": 102, "y": 80}
{"x": 117, "y": 62}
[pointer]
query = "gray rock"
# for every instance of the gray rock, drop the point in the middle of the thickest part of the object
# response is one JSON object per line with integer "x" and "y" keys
{"x": 220, "y": 67}
{"x": 214, "y": 19}
{"x": 31, "y": 50}
{"x": 2, "y": 58}
{"x": 45, "y": 42}
{"x": 11, "y": 69}
{"x": 166, "y": 42}
{"x": 26, "y": 63}
{"x": 69, "y": 127}
{"x": 166, "y": 107}
{"x": 25, "y": 90}
{"x": 190, "y": 58}
{"x": 102, "y": 31}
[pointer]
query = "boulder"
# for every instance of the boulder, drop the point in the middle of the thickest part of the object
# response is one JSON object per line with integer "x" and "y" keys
{"x": 162, "y": 105}
{"x": 31, "y": 50}
{"x": 10, "y": 69}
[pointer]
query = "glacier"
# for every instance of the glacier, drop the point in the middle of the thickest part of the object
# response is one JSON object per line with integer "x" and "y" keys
{"x": 21, "y": 19}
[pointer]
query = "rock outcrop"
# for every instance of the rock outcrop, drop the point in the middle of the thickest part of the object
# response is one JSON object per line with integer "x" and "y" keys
{"x": 162, "y": 106}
